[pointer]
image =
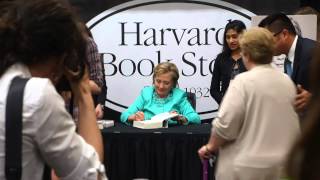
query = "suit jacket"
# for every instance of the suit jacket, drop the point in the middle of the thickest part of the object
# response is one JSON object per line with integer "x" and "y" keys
{"x": 302, "y": 58}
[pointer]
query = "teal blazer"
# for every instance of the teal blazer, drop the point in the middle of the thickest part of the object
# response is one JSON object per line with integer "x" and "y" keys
{"x": 150, "y": 104}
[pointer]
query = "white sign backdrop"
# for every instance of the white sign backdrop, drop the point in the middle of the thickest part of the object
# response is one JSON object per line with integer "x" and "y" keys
{"x": 134, "y": 37}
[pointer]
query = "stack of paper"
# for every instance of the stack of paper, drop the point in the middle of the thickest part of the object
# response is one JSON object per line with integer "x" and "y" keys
{"x": 157, "y": 121}
{"x": 105, "y": 123}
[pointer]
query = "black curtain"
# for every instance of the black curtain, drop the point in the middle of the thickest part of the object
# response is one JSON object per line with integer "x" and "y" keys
{"x": 89, "y": 8}
{"x": 312, "y": 3}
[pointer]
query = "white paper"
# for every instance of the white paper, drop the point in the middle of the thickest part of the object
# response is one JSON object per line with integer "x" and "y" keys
{"x": 164, "y": 116}
{"x": 105, "y": 123}
{"x": 157, "y": 121}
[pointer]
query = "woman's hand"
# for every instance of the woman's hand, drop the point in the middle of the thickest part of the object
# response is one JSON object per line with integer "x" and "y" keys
{"x": 180, "y": 118}
{"x": 302, "y": 99}
{"x": 79, "y": 86}
{"x": 66, "y": 95}
{"x": 99, "y": 111}
{"x": 204, "y": 152}
{"x": 138, "y": 116}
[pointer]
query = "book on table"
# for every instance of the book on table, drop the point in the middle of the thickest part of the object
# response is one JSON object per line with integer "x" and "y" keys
{"x": 157, "y": 121}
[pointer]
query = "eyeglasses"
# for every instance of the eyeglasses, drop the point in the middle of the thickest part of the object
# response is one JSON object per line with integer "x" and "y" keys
{"x": 276, "y": 34}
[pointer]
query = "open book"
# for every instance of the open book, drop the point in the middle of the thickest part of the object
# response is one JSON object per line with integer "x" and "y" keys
{"x": 157, "y": 121}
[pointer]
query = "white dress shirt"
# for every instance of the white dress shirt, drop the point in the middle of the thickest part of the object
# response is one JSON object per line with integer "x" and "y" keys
{"x": 48, "y": 133}
{"x": 278, "y": 61}
{"x": 258, "y": 120}
{"x": 292, "y": 50}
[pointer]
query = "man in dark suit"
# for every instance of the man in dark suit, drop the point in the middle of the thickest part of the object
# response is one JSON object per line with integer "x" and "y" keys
{"x": 299, "y": 52}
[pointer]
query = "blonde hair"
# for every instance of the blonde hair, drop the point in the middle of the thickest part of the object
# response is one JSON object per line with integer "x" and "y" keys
{"x": 167, "y": 67}
{"x": 259, "y": 44}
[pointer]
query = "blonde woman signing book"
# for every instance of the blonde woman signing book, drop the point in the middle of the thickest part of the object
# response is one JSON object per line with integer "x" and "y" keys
{"x": 162, "y": 97}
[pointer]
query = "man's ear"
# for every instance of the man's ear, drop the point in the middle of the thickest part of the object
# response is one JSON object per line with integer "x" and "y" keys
{"x": 285, "y": 33}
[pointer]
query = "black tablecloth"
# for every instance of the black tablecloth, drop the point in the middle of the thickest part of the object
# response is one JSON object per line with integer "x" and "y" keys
{"x": 157, "y": 154}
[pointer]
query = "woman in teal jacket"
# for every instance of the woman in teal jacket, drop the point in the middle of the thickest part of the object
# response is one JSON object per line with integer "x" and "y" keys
{"x": 163, "y": 96}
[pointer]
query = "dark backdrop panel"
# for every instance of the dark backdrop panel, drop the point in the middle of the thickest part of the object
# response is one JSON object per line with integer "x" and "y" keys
{"x": 313, "y": 3}
{"x": 89, "y": 8}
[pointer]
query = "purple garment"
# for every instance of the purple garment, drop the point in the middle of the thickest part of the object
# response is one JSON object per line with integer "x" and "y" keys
{"x": 205, "y": 169}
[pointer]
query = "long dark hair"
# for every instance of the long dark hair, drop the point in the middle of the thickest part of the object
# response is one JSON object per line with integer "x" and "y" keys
{"x": 236, "y": 25}
{"x": 304, "y": 159}
{"x": 8, "y": 36}
{"x": 32, "y": 31}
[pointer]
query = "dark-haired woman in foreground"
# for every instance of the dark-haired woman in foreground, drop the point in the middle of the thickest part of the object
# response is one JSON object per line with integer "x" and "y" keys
{"x": 41, "y": 41}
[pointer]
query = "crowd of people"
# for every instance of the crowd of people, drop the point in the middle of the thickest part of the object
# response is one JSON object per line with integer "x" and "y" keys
{"x": 256, "y": 122}
{"x": 267, "y": 124}
{"x": 264, "y": 112}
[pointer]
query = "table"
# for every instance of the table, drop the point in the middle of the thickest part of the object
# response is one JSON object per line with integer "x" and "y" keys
{"x": 156, "y": 154}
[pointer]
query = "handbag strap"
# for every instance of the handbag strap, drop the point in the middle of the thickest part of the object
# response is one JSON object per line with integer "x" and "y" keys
{"x": 13, "y": 123}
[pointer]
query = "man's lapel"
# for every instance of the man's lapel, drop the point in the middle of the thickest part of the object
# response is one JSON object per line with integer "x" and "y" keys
{"x": 297, "y": 59}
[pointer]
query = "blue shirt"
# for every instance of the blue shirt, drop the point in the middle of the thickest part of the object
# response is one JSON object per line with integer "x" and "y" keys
{"x": 150, "y": 104}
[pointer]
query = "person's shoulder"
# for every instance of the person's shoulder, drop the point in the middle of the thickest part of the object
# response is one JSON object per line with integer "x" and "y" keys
{"x": 307, "y": 40}
{"x": 252, "y": 74}
{"x": 307, "y": 47}
{"x": 147, "y": 91}
{"x": 39, "y": 90}
{"x": 307, "y": 43}
{"x": 244, "y": 75}
{"x": 178, "y": 92}
{"x": 220, "y": 57}
{"x": 41, "y": 84}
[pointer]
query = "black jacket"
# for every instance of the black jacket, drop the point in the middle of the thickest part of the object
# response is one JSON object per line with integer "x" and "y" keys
{"x": 302, "y": 57}
{"x": 221, "y": 76}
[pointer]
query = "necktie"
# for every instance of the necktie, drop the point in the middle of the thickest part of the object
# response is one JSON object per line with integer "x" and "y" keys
{"x": 287, "y": 67}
